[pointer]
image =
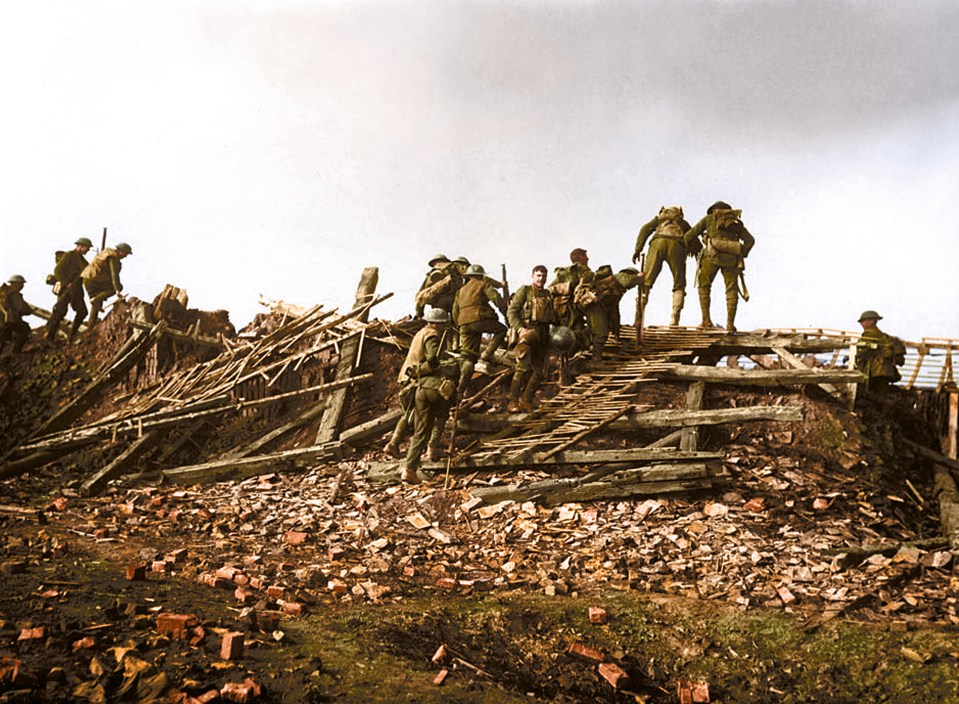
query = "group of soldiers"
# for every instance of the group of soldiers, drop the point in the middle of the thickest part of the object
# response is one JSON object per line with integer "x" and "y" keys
{"x": 73, "y": 278}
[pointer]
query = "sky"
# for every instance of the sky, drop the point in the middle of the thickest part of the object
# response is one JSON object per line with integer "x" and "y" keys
{"x": 275, "y": 148}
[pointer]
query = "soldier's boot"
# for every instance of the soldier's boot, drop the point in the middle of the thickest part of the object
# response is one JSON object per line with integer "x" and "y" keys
{"x": 494, "y": 344}
{"x": 704, "y": 302}
{"x": 466, "y": 375}
{"x": 53, "y": 326}
{"x": 75, "y": 329}
{"x": 526, "y": 400}
{"x": 515, "y": 389}
{"x": 409, "y": 476}
{"x": 393, "y": 446}
{"x": 732, "y": 301}
{"x": 679, "y": 297}
{"x": 96, "y": 305}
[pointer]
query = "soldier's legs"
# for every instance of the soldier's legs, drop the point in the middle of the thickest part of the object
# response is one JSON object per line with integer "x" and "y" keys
{"x": 523, "y": 354}
{"x": 57, "y": 314}
{"x": 599, "y": 329}
{"x": 97, "y": 296}
{"x": 423, "y": 420}
{"x": 19, "y": 334}
{"x": 538, "y": 354}
{"x": 406, "y": 395}
{"x": 704, "y": 279}
{"x": 730, "y": 276}
{"x": 654, "y": 264}
{"x": 441, "y": 414}
{"x": 79, "y": 305}
{"x": 498, "y": 332}
{"x": 677, "y": 265}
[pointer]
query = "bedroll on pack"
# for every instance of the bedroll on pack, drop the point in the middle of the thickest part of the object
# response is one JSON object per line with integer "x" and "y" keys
{"x": 429, "y": 294}
{"x": 726, "y": 246}
{"x": 584, "y": 295}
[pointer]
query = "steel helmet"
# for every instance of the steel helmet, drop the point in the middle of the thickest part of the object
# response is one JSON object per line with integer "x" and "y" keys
{"x": 476, "y": 270}
{"x": 437, "y": 258}
{"x": 562, "y": 338}
{"x": 718, "y": 205}
{"x": 436, "y": 315}
{"x": 85, "y": 241}
{"x": 869, "y": 315}
{"x": 604, "y": 271}
{"x": 16, "y": 279}
{"x": 629, "y": 270}
{"x": 124, "y": 247}
{"x": 462, "y": 260}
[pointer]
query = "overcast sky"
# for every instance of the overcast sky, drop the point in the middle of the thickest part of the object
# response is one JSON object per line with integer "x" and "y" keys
{"x": 277, "y": 148}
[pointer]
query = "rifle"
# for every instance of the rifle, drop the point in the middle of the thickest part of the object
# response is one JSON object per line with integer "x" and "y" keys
{"x": 103, "y": 242}
{"x": 640, "y": 308}
{"x": 505, "y": 284}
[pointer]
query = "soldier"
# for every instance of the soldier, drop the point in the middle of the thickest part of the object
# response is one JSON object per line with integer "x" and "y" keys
{"x": 573, "y": 297}
{"x": 668, "y": 229}
{"x": 440, "y": 285}
{"x": 726, "y": 244}
{"x": 101, "y": 277}
{"x": 12, "y": 310}
{"x": 474, "y": 316}
{"x": 878, "y": 354}
{"x": 530, "y": 314}
{"x": 610, "y": 289}
{"x": 435, "y": 390}
{"x": 69, "y": 289}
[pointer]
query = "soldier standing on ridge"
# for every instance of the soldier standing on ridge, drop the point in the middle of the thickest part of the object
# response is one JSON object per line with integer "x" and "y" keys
{"x": 435, "y": 390}
{"x": 69, "y": 289}
{"x": 101, "y": 277}
{"x": 12, "y": 310}
{"x": 878, "y": 354}
{"x": 474, "y": 316}
{"x": 668, "y": 229}
{"x": 726, "y": 244}
{"x": 530, "y": 314}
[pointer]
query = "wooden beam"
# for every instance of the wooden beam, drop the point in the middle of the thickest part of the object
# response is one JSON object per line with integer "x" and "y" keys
{"x": 223, "y": 470}
{"x": 792, "y": 360}
{"x": 371, "y": 428}
{"x": 336, "y": 405}
{"x": 121, "y": 464}
{"x": 759, "y": 377}
{"x": 694, "y": 402}
{"x": 302, "y": 419}
{"x": 639, "y": 454}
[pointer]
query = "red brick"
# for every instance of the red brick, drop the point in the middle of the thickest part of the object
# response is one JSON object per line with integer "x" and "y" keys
{"x": 268, "y": 621}
{"x": 440, "y": 676}
{"x": 58, "y": 504}
{"x": 10, "y": 669}
{"x": 440, "y": 654}
{"x": 208, "y": 697}
{"x": 176, "y": 556}
{"x": 613, "y": 673}
{"x": 50, "y": 594}
{"x": 252, "y": 559}
{"x": 335, "y": 553}
{"x": 204, "y": 514}
{"x": 31, "y": 633}
{"x": 232, "y": 646}
{"x": 293, "y": 608}
{"x": 226, "y": 572}
{"x": 336, "y": 586}
{"x": 175, "y": 624}
{"x": 87, "y": 642}
{"x": 136, "y": 573}
{"x": 158, "y": 566}
{"x": 275, "y": 591}
{"x": 295, "y": 537}
{"x": 208, "y": 579}
{"x": 241, "y": 692}
{"x": 409, "y": 571}
{"x": 101, "y": 533}
{"x": 241, "y": 579}
{"x": 243, "y": 594}
{"x": 755, "y": 505}
{"x": 256, "y": 583}
{"x": 597, "y": 615}
{"x": 156, "y": 501}
{"x": 585, "y": 651}
{"x": 690, "y": 692}
{"x": 446, "y": 583}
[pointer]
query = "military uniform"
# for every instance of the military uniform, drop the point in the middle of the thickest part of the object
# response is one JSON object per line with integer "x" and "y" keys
{"x": 474, "y": 316}
{"x": 435, "y": 393}
{"x": 530, "y": 315}
{"x": 101, "y": 279}
{"x": 725, "y": 244}
{"x": 440, "y": 285}
{"x": 668, "y": 230}
{"x": 610, "y": 289}
{"x": 878, "y": 355}
{"x": 70, "y": 293}
{"x": 12, "y": 309}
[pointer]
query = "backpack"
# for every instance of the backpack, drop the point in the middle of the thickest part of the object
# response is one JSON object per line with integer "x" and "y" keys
{"x": 51, "y": 279}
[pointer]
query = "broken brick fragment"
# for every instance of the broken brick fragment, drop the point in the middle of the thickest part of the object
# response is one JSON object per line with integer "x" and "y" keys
{"x": 175, "y": 625}
{"x": 584, "y": 651}
{"x": 336, "y": 586}
{"x": 613, "y": 673}
{"x": 240, "y": 692}
{"x": 101, "y": 533}
{"x": 243, "y": 594}
{"x": 176, "y": 556}
{"x": 58, "y": 504}
{"x": 275, "y": 591}
{"x": 31, "y": 633}
{"x": 440, "y": 654}
{"x": 440, "y": 677}
{"x": 292, "y": 608}
{"x": 446, "y": 583}
{"x": 597, "y": 615}
{"x": 256, "y": 583}
{"x": 232, "y": 646}
{"x": 755, "y": 505}
{"x": 136, "y": 573}
{"x": 241, "y": 579}
{"x": 295, "y": 537}
{"x": 83, "y": 643}
{"x": 208, "y": 697}
{"x": 158, "y": 566}
{"x": 10, "y": 669}
{"x": 226, "y": 573}
{"x": 692, "y": 692}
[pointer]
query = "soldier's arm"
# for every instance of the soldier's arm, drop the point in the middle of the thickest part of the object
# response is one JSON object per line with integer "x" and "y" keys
{"x": 115, "y": 274}
{"x": 644, "y": 232}
{"x": 514, "y": 313}
{"x": 691, "y": 238}
{"x": 748, "y": 240}
{"x": 493, "y": 296}
{"x": 60, "y": 270}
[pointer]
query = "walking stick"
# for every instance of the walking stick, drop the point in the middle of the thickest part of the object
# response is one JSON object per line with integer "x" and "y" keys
{"x": 452, "y": 445}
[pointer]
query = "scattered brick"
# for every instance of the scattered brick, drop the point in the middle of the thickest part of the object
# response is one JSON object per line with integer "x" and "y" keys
{"x": 31, "y": 633}
{"x": 256, "y": 583}
{"x": 50, "y": 594}
{"x": 440, "y": 677}
{"x": 446, "y": 583}
{"x": 252, "y": 559}
{"x": 409, "y": 571}
{"x": 336, "y": 586}
{"x": 899, "y": 626}
{"x": 755, "y": 505}
{"x": 209, "y": 580}
{"x": 240, "y": 691}
{"x": 293, "y": 608}
{"x": 241, "y": 579}
{"x": 87, "y": 642}
{"x": 440, "y": 654}
{"x": 158, "y": 566}
{"x": 208, "y": 697}
{"x": 243, "y": 594}
{"x": 335, "y": 553}
{"x": 226, "y": 573}
{"x": 101, "y": 533}
{"x": 585, "y": 651}
{"x": 232, "y": 646}
{"x": 692, "y": 692}
{"x": 787, "y": 596}
{"x": 136, "y": 573}
{"x": 597, "y": 615}
{"x": 10, "y": 669}
{"x": 175, "y": 624}
{"x": 613, "y": 673}
{"x": 275, "y": 591}
{"x": 295, "y": 537}
{"x": 58, "y": 504}
{"x": 176, "y": 556}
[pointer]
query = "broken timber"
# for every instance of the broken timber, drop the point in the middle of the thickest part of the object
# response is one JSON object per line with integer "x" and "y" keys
{"x": 230, "y": 469}
{"x": 760, "y": 377}
{"x": 120, "y": 465}
{"x": 640, "y": 454}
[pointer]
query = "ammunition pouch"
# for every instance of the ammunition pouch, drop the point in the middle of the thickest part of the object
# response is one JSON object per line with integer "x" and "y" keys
{"x": 542, "y": 310}
{"x": 447, "y": 388}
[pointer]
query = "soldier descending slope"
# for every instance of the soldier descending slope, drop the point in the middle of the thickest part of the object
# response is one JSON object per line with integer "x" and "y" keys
{"x": 68, "y": 288}
{"x": 878, "y": 354}
{"x": 667, "y": 245}
{"x": 530, "y": 315}
{"x": 101, "y": 277}
{"x": 435, "y": 390}
{"x": 726, "y": 244}
{"x": 12, "y": 310}
{"x": 610, "y": 289}
{"x": 474, "y": 316}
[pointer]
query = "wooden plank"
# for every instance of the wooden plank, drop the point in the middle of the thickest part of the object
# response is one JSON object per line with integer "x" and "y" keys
{"x": 302, "y": 419}
{"x": 760, "y": 377}
{"x": 336, "y": 405}
{"x": 792, "y": 360}
{"x": 694, "y": 402}
{"x": 639, "y": 454}
{"x": 223, "y": 470}
{"x": 121, "y": 464}
{"x": 371, "y": 428}
{"x": 953, "y": 430}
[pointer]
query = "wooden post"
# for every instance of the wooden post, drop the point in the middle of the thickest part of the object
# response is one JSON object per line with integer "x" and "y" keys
{"x": 852, "y": 387}
{"x": 952, "y": 440}
{"x": 336, "y": 404}
{"x": 694, "y": 402}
